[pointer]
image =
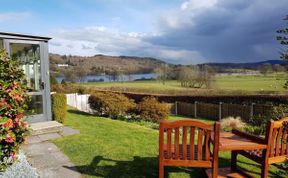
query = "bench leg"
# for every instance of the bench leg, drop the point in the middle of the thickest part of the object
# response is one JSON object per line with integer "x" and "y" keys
{"x": 161, "y": 171}
{"x": 265, "y": 170}
{"x": 234, "y": 160}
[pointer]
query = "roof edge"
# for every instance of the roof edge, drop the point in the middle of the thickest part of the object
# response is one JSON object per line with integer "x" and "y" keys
{"x": 24, "y": 35}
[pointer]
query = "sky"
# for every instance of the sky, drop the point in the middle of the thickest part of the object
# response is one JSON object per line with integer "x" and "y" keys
{"x": 176, "y": 31}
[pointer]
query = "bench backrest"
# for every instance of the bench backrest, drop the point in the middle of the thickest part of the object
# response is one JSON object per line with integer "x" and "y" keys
{"x": 277, "y": 139}
{"x": 188, "y": 140}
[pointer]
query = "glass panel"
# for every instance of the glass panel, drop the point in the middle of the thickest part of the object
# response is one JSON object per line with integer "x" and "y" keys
{"x": 1, "y": 43}
{"x": 36, "y": 105}
{"x": 29, "y": 57}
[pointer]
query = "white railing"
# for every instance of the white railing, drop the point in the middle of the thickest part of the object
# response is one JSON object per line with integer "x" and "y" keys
{"x": 79, "y": 101}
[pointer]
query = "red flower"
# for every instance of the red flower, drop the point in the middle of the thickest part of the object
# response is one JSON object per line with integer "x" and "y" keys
{"x": 9, "y": 138}
{"x": 16, "y": 96}
{"x": 13, "y": 156}
{"x": 25, "y": 125}
{"x": 8, "y": 124}
{"x": 3, "y": 102}
{"x": 14, "y": 85}
{"x": 17, "y": 120}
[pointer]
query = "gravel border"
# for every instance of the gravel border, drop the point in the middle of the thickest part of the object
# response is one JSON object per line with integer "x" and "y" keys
{"x": 20, "y": 169}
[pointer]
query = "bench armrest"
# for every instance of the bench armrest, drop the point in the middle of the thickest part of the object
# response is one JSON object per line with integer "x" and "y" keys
{"x": 249, "y": 136}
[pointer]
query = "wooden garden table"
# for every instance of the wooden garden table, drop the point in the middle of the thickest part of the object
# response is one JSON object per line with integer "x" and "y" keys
{"x": 229, "y": 142}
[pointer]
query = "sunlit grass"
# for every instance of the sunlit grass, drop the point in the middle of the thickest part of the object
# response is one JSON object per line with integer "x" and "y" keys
{"x": 112, "y": 148}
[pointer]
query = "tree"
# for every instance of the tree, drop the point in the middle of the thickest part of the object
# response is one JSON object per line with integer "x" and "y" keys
{"x": 53, "y": 80}
{"x": 196, "y": 77}
{"x": 70, "y": 76}
{"x": 162, "y": 72}
{"x": 282, "y": 37}
{"x": 279, "y": 68}
{"x": 265, "y": 69}
{"x": 80, "y": 73}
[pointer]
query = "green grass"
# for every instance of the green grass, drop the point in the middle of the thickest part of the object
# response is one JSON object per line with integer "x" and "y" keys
{"x": 225, "y": 84}
{"x": 251, "y": 83}
{"x": 112, "y": 148}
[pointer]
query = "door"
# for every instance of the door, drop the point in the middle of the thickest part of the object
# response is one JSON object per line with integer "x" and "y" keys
{"x": 32, "y": 55}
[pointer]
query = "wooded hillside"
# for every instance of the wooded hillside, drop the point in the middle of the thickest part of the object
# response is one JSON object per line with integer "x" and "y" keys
{"x": 101, "y": 63}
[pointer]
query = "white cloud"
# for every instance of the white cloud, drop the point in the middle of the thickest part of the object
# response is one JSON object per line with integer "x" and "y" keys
{"x": 89, "y": 41}
{"x": 198, "y": 4}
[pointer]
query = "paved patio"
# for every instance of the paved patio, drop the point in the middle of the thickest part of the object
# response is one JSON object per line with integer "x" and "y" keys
{"x": 48, "y": 160}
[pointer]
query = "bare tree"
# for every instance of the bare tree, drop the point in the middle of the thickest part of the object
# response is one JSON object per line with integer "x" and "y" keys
{"x": 196, "y": 77}
{"x": 80, "y": 73}
{"x": 162, "y": 72}
{"x": 279, "y": 68}
{"x": 265, "y": 69}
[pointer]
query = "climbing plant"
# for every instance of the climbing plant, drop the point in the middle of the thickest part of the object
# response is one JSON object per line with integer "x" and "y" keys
{"x": 13, "y": 99}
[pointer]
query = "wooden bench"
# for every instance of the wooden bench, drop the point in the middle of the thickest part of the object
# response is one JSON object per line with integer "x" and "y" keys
{"x": 276, "y": 151}
{"x": 188, "y": 143}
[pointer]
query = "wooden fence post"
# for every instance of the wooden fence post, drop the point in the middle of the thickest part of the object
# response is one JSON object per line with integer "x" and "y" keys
{"x": 176, "y": 108}
{"x": 220, "y": 111}
{"x": 195, "y": 109}
{"x": 252, "y": 110}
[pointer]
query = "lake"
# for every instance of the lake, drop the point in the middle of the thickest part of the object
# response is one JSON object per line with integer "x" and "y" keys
{"x": 109, "y": 78}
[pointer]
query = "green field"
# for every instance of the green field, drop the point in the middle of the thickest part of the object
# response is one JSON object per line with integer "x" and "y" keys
{"x": 112, "y": 148}
{"x": 225, "y": 84}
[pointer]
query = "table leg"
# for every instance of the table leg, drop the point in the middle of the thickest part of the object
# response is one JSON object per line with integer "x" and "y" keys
{"x": 233, "y": 160}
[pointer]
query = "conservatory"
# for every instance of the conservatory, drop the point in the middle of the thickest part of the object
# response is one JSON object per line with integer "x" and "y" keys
{"x": 32, "y": 52}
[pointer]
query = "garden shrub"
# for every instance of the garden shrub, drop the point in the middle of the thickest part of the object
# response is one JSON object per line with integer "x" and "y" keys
{"x": 59, "y": 107}
{"x": 229, "y": 123}
{"x": 13, "y": 102}
{"x": 69, "y": 88}
{"x": 256, "y": 130}
{"x": 150, "y": 109}
{"x": 260, "y": 121}
{"x": 53, "y": 80}
{"x": 111, "y": 104}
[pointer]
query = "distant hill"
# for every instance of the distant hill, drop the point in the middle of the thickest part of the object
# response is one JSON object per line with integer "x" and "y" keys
{"x": 252, "y": 65}
{"x": 102, "y": 63}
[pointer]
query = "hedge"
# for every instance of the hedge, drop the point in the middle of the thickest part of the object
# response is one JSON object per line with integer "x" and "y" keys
{"x": 111, "y": 104}
{"x": 59, "y": 107}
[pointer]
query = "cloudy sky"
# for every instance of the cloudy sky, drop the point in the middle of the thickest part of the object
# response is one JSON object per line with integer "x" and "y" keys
{"x": 177, "y": 31}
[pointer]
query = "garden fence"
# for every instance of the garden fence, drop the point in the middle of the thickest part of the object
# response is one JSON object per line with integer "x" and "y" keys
{"x": 196, "y": 109}
{"x": 79, "y": 101}
{"x": 220, "y": 111}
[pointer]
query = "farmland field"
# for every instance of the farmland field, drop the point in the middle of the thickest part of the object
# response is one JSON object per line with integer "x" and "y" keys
{"x": 244, "y": 84}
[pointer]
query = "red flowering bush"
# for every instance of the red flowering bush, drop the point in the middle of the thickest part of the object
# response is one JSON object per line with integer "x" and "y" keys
{"x": 13, "y": 98}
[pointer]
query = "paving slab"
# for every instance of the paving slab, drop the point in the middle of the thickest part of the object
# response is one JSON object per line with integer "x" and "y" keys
{"x": 47, "y": 158}
{"x": 45, "y": 127}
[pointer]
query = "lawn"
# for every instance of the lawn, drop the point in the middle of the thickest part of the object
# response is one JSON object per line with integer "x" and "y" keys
{"x": 244, "y": 83}
{"x": 112, "y": 148}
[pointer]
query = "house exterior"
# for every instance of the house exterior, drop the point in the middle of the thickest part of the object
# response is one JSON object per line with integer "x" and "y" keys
{"x": 32, "y": 52}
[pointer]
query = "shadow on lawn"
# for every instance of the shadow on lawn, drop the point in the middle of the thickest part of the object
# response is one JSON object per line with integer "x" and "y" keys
{"x": 138, "y": 167}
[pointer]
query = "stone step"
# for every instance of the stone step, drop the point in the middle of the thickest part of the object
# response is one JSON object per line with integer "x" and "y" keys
{"x": 45, "y": 127}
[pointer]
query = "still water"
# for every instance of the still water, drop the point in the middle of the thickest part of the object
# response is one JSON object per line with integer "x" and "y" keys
{"x": 109, "y": 78}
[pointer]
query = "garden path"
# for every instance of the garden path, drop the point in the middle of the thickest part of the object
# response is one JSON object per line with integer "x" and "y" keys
{"x": 47, "y": 158}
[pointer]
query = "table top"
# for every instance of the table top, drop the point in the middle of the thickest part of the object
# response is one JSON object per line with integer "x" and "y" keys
{"x": 230, "y": 141}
